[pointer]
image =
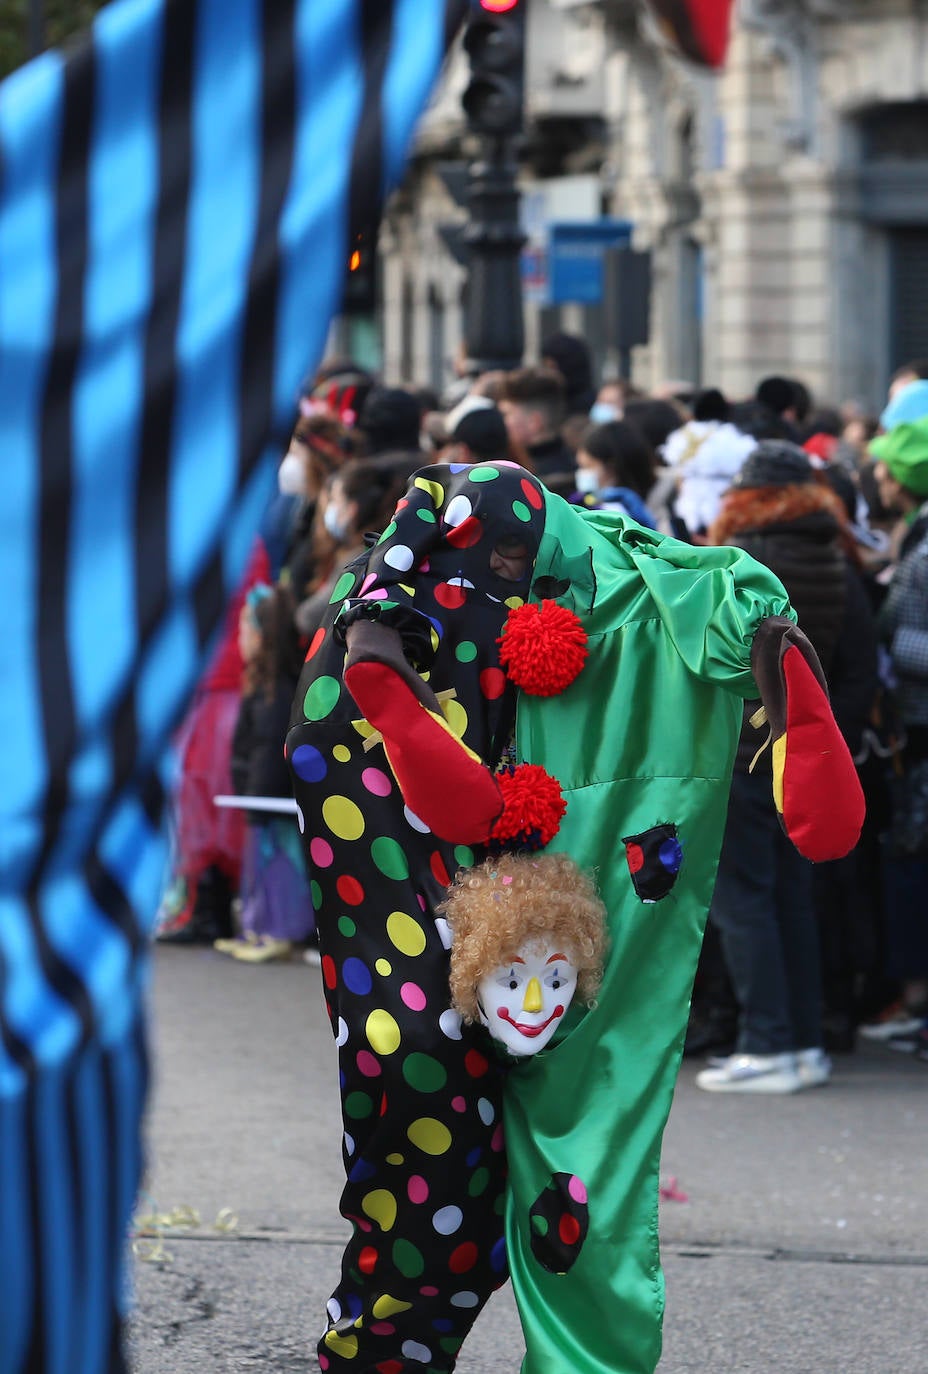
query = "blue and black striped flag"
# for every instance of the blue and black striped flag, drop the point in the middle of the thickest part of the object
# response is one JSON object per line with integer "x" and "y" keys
{"x": 177, "y": 200}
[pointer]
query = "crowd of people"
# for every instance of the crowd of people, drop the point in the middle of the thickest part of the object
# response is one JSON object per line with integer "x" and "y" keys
{"x": 798, "y": 961}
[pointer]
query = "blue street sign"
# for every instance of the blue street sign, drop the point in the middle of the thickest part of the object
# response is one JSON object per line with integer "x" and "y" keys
{"x": 575, "y": 258}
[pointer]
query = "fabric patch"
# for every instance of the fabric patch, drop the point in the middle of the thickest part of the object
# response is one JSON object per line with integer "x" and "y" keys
{"x": 654, "y": 858}
{"x": 558, "y": 1223}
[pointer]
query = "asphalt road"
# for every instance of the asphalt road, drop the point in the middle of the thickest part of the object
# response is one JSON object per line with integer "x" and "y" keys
{"x": 802, "y": 1247}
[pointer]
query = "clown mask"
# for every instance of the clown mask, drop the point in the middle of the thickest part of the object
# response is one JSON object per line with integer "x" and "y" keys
{"x": 521, "y": 1002}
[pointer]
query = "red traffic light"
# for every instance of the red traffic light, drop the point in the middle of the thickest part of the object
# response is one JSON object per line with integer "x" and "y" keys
{"x": 498, "y": 6}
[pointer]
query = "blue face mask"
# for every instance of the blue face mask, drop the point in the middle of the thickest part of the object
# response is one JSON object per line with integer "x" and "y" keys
{"x": 336, "y": 526}
{"x": 604, "y": 412}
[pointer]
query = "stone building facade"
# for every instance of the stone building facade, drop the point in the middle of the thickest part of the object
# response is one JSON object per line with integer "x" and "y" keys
{"x": 784, "y": 202}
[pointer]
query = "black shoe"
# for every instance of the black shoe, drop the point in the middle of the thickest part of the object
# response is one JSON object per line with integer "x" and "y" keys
{"x": 839, "y": 1034}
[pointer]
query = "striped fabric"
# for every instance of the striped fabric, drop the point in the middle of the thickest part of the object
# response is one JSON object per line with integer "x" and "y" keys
{"x": 176, "y": 200}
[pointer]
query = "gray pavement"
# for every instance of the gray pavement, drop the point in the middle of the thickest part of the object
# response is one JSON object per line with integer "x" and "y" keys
{"x": 802, "y": 1248}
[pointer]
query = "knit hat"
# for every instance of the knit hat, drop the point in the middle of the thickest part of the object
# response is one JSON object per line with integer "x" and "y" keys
{"x": 911, "y": 403}
{"x": 483, "y": 430}
{"x": 774, "y": 463}
{"x": 904, "y": 450}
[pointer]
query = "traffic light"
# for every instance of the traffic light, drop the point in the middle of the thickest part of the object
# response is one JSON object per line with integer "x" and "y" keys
{"x": 495, "y": 43}
{"x": 359, "y": 296}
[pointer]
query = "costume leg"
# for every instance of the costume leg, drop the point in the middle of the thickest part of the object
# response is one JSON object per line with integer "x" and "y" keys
{"x": 423, "y": 1143}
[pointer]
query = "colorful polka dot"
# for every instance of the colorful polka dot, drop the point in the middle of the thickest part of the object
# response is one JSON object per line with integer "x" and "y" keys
{"x": 486, "y": 1111}
{"x": 439, "y": 870}
{"x": 434, "y": 489}
{"x": 417, "y": 1190}
{"x": 405, "y": 933}
{"x": 447, "y": 1220}
{"x": 427, "y": 515}
{"x": 423, "y": 1073}
{"x": 390, "y": 858}
{"x": 464, "y": 1299}
{"x": 342, "y": 588}
{"x": 345, "y": 1346}
{"x": 456, "y": 717}
{"x": 308, "y": 763}
{"x": 380, "y": 1206}
{"x": 463, "y": 855}
{"x": 532, "y": 495}
{"x": 343, "y": 817}
{"x": 413, "y": 820}
{"x": 328, "y": 971}
{"x": 449, "y": 596}
{"x": 382, "y": 1032}
{"x": 400, "y": 557}
{"x": 483, "y": 474}
{"x": 349, "y": 890}
{"x": 395, "y": 1159}
{"x": 388, "y": 533}
{"x": 413, "y": 996}
{"x": 521, "y": 511}
{"x": 492, "y": 683}
{"x": 415, "y": 1350}
{"x": 384, "y": 967}
{"x": 463, "y": 1258}
{"x": 450, "y": 1024}
{"x": 357, "y": 977}
{"x": 320, "y": 851}
{"x": 315, "y": 891}
{"x": 408, "y": 1259}
{"x": 432, "y": 1137}
{"x": 342, "y": 753}
{"x": 347, "y": 927}
{"x": 358, "y": 1106}
{"x": 376, "y": 782}
{"x": 387, "y": 1306}
{"x": 458, "y": 510}
{"x": 466, "y": 651}
{"x": 321, "y": 697}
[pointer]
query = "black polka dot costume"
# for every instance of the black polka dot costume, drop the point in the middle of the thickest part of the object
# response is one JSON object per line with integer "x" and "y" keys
{"x": 421, "y": 1097}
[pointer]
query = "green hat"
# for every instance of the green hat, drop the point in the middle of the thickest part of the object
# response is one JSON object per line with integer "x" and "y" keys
{"x": 904, "y": 450}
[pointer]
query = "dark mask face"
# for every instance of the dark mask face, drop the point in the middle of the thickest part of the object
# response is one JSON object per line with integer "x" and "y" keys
{"x": 458, "y": 554}
{"x": 474, "y": 527}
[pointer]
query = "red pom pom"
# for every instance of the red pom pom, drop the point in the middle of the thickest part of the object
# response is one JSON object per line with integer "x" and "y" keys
{"x": 533, "y": 805}
{"x": 542, "y": 648}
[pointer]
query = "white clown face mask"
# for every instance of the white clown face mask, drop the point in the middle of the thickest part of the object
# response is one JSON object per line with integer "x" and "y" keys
{"x": 521, "y": 1002}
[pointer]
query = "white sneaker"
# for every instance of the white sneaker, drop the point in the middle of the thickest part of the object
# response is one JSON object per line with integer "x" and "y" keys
{"x": 752, "y": 1073}
{"x": 814, "y": 1068}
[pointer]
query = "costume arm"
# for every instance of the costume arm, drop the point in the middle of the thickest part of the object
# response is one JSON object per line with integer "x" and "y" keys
{"x": 445, "y": 784}
{"x": 815, "y": 784}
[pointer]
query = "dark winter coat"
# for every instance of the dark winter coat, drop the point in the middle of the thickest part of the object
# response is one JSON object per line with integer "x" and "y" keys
{"x": 797, "y": 532}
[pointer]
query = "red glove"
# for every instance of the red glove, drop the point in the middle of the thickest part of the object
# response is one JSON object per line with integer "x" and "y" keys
{"x": 815, "y": 784}
{"x": 443, "y": 782}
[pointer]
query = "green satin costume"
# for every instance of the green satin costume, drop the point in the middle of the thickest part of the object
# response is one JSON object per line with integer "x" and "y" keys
{"x": 643, "y": 738}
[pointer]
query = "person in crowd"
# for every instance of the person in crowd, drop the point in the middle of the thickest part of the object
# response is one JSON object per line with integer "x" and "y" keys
{"x": 319, "y": 446}
{"x": 339, "y": 388}
{"x": 778, "y": 512}
{"x": 358, "y": 497}
{"x": 902, "y": 476}
{"x": 787, "y": 399}
{"x": 390, "y": 422}
{"x": 196, "y": 907}
{"x": 534, "y": 408}
{"x": 277, "y": 910}
{"x": 615, "y": 471}
{"x": 914, "y": 371}
{"x": 612, "y": 398}
{"x": 703, "y": 456}
{"x": 656, "y": 419}
{"x": 476, "y": 433}
{"x": 570, "y": 355}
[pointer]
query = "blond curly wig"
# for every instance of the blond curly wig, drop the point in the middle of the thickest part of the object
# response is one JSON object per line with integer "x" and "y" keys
{"x": 504, "y": 903}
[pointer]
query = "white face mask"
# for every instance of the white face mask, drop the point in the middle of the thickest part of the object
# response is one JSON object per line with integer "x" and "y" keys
{"x": 336, "y": 526}
{"x": 587, "y": 480}
{"x": 521, "y": 1003}
{"x": 603, "y": 412}
{"x": 291, "y": 475}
